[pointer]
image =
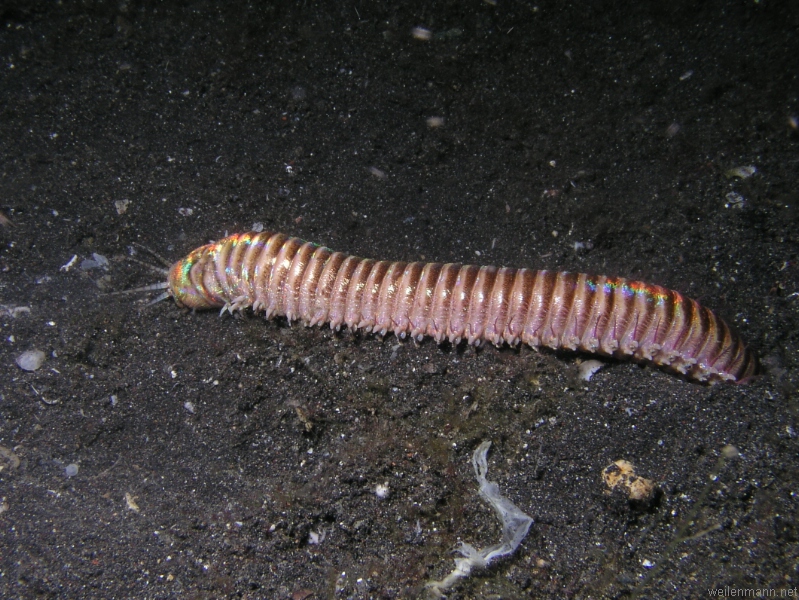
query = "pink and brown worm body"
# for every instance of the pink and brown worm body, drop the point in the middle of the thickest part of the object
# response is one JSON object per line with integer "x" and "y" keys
{"x": 286, "y": 276}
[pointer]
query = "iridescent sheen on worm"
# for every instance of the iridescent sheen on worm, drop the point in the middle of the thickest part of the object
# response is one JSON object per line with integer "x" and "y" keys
{"x": 286, "y": 276}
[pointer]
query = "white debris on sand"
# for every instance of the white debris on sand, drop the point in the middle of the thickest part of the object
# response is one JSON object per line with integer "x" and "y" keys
{"x": 515, "y": 525}
{"x": 97, "y": 261}
{"x": 13, "y": 311}
{"x": 743, "y": 172}
{"x": 30, "y": 360}
{"x": 588, "y": 368}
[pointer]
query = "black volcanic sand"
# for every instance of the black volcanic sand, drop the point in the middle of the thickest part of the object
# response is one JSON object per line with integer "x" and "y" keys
{"x": 238, "y": 458}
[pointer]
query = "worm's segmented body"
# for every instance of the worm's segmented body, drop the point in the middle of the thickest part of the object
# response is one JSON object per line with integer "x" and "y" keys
{"x": 285, "y": 276}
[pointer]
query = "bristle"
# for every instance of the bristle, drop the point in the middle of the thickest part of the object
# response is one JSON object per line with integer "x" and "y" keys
{"x": 159, "y": 270}
{"x": 146, "y": 288}
{"x": 164, "y": 261}
{"x": 158, "y": 298}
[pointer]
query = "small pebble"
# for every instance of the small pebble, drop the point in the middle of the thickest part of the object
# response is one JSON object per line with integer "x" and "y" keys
{"x": 588, "y": 368}
{"x": 672, "y": 130}
{"x": 422, "y": 33}
{"x": 743, "y": 172}
{"x": 734, "y": 200}
{"x": 97, "y": 261}
{"x": 621, "y": 474}
{"x": 729, "y": 451}
{"x": 30, "y": 360}
{"x": 121, "y": 206}
{"x": 71, "y": 470}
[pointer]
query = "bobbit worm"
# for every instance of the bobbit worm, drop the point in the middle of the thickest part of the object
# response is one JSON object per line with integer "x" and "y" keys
{"x": 612, "y": 316}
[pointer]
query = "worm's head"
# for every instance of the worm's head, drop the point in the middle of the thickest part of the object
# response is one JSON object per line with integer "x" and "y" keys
{"x": 186, "y": 281}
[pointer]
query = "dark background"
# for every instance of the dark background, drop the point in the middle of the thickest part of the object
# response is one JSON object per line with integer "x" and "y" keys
{"x": 213, "y": 451}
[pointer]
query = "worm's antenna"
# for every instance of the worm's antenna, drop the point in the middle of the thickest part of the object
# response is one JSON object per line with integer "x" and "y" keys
{"x": 164, "y": 261}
